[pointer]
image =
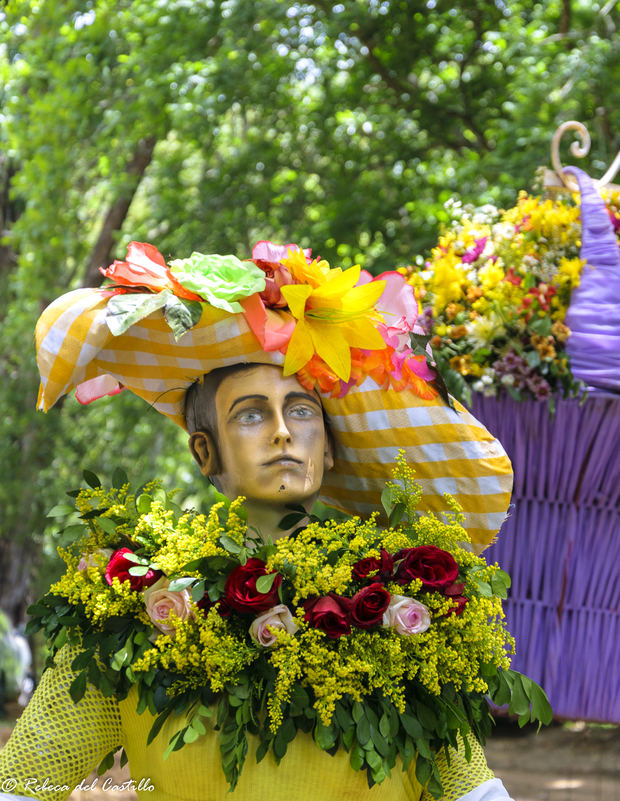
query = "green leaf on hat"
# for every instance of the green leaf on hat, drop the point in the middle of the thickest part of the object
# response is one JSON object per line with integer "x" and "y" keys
{"x": 220, "y": 280}
{"x": 123, "y": 311}
{"x": 181, "y": 315}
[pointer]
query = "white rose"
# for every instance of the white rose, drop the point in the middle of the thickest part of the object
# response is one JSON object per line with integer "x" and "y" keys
{"x": 160, "y": 602}
{"x": 406, "y": 616}
{"x": 278, "y": 617}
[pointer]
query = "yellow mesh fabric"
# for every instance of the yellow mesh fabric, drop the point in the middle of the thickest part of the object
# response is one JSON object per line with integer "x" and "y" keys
{"x": 452, "y": 451}
{"x": 306, "y": 772}
{"x": 57, "y": 743}
{"x": 460, "y": 776}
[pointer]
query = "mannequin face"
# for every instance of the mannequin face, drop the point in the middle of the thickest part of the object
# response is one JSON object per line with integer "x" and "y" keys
{"x": 272, "y": 444}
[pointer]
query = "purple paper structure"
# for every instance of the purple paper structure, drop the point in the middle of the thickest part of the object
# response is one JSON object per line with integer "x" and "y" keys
{"x": 561, "y": 545}
{"x": 594, "y": 313}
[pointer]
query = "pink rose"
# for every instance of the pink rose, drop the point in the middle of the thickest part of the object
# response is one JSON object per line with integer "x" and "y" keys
{"x": 160, "y": 602}
{"x": 406, "y": 616}
{"x": 278, "y": 617}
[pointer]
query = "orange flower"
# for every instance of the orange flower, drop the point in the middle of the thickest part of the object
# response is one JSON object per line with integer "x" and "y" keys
{"x": 452, "y": 309}
{"x": 473, "y": 293}
{"x": 145, "y": 268}
{"x": 544, "y": 346}
{"x": 462, "y": 364}
{"x": 458, "y": 331}
{"x": 560, "y": 331}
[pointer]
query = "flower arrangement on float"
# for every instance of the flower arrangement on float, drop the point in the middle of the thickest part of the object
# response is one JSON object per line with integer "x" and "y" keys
{"x": 382, "y": 642}
{"x": 494, "y": 294}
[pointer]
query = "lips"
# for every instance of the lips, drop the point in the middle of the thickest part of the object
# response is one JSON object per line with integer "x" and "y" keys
{"x": 284, "y": 460}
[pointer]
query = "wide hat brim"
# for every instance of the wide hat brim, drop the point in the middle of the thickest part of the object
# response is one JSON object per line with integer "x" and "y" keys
{"x": 450, "y": 450}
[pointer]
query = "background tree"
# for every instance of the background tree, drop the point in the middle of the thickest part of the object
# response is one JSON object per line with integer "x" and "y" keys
{"x": 211, "y": 124}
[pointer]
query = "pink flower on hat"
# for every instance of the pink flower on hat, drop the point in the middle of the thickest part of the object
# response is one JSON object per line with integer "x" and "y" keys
{"x": 268, "y": 257}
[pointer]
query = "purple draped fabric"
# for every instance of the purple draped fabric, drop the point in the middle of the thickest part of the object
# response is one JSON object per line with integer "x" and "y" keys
{"x": 561, "y": 544}
{"x": 594, "y": 312}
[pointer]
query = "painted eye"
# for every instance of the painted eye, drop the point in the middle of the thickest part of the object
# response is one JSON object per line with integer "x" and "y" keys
{"x": 250, "y": 416}
{"x": 302, "y": 411}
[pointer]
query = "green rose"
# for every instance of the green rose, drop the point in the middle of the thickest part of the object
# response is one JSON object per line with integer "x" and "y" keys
{"x": 220, "y": 280}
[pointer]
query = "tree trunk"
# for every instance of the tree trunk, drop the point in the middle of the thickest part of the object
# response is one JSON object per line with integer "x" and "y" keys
{"x": 9, "y": 212}
{"x": 101, "y": 255}
{"x": 16, "y": 565}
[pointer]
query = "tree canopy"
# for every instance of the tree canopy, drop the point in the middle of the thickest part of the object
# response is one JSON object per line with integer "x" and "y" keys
{"x": 210, "y": 124}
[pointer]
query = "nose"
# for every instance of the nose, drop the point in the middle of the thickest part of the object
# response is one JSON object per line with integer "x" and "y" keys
{"x": 281, "y": 434}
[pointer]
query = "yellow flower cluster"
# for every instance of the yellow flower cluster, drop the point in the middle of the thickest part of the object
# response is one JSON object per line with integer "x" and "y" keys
{"x": 204, "y": 650}
{"x": 89, "y": 589}
{"x": 192, "y": 536}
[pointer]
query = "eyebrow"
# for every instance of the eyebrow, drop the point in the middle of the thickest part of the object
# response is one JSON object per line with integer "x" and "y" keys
{"x": 289, "y": 396}
{"x": 244, "y": 398}
{"x": 303, "y": 396}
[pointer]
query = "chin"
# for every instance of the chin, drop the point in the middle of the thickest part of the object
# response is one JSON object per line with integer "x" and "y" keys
{"x": 289, "y": 492}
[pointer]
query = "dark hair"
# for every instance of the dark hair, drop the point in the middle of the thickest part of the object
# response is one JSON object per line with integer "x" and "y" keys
{"x": 200, "y": 414}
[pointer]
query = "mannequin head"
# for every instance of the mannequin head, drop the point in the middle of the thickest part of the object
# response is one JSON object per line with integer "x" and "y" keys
{"x": 259, "y": 434}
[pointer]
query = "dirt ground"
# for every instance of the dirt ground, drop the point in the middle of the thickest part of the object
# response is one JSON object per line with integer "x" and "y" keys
{"x": 564, "y": 762}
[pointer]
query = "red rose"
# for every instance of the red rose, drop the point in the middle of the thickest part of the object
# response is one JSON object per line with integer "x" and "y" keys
{"x": 240, "y": 591}
{"x": 382, "y": 567}
{"x": 459, "y": 604}
{"x": 118, "y": 567}
{"x": 368, "y": 605}
{"x": 437, "y": 569}
{"x": 460, "y": 601}
{"x": 329, "y": 613}
{"x": 205, "y": 604}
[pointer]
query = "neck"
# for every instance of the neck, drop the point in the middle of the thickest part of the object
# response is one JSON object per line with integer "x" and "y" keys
{"x": 265, "y": 517}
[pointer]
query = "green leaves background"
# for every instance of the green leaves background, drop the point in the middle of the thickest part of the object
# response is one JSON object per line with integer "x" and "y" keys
{"x": 211, "y": 125}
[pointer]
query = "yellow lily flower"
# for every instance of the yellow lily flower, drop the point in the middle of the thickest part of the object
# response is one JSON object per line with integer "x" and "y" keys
{"x": 333, "y": 315}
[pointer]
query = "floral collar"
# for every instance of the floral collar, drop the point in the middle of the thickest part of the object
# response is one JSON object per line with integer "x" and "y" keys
{"x": 382, "y": 642}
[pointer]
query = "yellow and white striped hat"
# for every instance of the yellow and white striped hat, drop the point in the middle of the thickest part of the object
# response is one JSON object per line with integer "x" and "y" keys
{"x": 450, "y": 450}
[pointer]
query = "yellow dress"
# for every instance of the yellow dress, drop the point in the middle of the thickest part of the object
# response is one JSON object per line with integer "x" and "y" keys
{"x": 57, "y": 743}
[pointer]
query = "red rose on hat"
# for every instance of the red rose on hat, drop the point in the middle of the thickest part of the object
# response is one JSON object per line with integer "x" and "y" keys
{"x": 118, "y": 567}
{"x": 436, "y": 568}
{"x": 240, "y": 591}
{"x": 330, "y": 613}
{"x": 368, "y": 605}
